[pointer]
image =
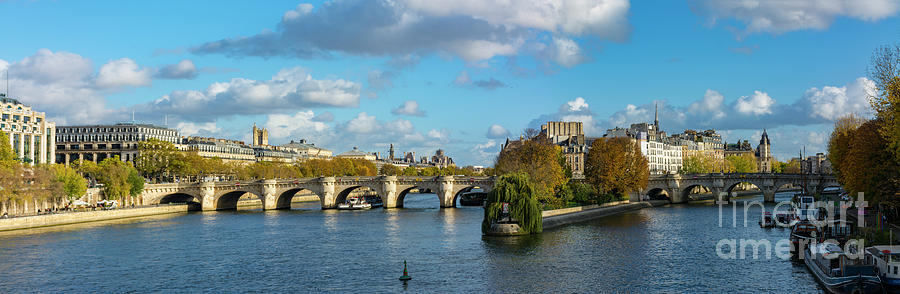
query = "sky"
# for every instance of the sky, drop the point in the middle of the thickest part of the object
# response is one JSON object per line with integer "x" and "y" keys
{"x": 463, "y": 77}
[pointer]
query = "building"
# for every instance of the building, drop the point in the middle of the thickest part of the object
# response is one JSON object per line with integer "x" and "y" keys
{"x": 260, "y": 137}
{"x": 440, "y": 160}
{"x": 763, "y": 152}
{"x": 31, "y": 136}
{"x": 764, "y": 158}
{"x": 230, "y": 151}
{"x": 570, "y": 137}
{"x": 706, "y": 143}
{"x": 357, "y": 154}
{"x": 98, "y": 142}
{"x": 816, "y": 164}
{"x": 664, "y": 154}
{"x": 308, "y": 150}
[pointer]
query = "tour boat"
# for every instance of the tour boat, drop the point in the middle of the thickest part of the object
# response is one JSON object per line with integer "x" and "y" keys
{"x": 886, "y": 259}
{"x": 766, "y": 220}
{"x": 374, "y": 200}
{"x": 473, "y": 198}
{"x": 355, "y": 203}
{"x": 838, "y": 272}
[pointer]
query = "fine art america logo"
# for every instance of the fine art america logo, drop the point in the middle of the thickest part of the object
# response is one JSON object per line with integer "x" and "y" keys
{"x": 818, "y": 216}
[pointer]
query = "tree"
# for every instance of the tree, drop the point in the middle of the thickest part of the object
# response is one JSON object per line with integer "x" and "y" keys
{"x": 698, "y": 164}
{"x": 114, "y": 175}
{"x": 867, "y": 167}
{"x": 615, "y": 166}
{"x": 157, "y": 158}
{"x": 540, "y": 160}
{"x": 73, "y": 184}
{"x": 839, "y": 142}
{"x": 744, "y": 163}
{"x": 517, "y": 190}
{"x": 884, "y": 70}
{"x": 389, "y": 170}
{"x": 135, "y": 182}
{"x": 7, "y": 155}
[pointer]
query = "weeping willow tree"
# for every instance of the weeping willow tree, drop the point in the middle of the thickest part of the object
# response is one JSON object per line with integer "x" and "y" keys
{"x": 516, "y": 190}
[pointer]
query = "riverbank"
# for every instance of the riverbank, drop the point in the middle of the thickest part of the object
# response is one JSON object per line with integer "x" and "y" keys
{"x": 558, "y": 217}
{"x": 60, "y": 219}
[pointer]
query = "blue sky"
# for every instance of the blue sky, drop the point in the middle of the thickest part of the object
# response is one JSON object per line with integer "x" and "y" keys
{"x": 423, "y": 75}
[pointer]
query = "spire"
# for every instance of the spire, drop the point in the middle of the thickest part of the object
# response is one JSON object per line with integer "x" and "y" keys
{"x": 656, "y": 116}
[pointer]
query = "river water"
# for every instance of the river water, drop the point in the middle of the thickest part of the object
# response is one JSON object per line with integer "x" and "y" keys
{"x": 663, "y": 249}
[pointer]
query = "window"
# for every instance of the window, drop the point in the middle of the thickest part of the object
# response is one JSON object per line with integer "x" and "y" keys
{"x": 88, "y": 146}
{"x": 60, "y": 147}
{"x": 5, "y": 116}
{"x": 17, "y": 117}
{"x": 27, "y": 119}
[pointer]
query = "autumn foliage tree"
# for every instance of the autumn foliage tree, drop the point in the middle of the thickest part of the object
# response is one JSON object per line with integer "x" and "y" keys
{"x": 615, "y": 166}
{"x": 540, "y": 160}
{"x": 839, "y": 143}
{"x": 744, "y": 163}
{"x": 866, "y": 167}
{"x": 698, "y": 164}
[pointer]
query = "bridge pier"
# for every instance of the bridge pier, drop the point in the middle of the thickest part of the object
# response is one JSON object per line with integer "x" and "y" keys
{"x": 768, "y": 195}
{"x": 445, "y": 191}
{"x": 388, "y": 193}
{"x": 327, "y": 194}
{"x": 207, "y": 196}
{"x": 269, "y": 198}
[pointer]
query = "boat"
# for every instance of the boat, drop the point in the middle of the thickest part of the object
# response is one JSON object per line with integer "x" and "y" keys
{"x": 475, "y": 197}
{"x": 886, "y": 259}
{"x": 374, "y": 200}
{"x": 803, "y": 233}
{"x": 355, "y": 203}
{"x": 838, "y": 230}
{"x": 785, "y": 219}
{"x": 839, "y": 273}
{"x": 766, "y": 220}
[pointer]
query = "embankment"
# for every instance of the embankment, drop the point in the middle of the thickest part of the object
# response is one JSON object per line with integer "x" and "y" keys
{"x": 48, "y": 220}
{"x": 558, "y": 217}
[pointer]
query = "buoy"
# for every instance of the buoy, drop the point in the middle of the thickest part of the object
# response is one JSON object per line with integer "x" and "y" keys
{"x": 405, "y": 277}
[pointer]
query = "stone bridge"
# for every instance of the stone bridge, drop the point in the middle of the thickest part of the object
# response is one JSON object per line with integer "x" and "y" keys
{"x": 277, "y": 194}
{"x": 678, "y": 187}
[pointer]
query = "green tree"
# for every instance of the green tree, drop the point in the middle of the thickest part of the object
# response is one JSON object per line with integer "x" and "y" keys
{"x": 113, "y": 174}
{"x": 698, "y": 164}
{"x": 389, "y": 170}
{"x": 615, "y": 166}
{"x": 73, "y": 184}
{"x": 157, "y": 158}
{"x": 7, "y": 155}
{"x": 135, "y": 182}
{"x": 540, "y": 160}
{"x": 410, "y": 171}
{"x": 744, "y": 163}
{"x": 517, "y": 190}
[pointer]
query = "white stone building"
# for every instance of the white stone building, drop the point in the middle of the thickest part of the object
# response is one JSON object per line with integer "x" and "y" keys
{"x": 32, "y": 137}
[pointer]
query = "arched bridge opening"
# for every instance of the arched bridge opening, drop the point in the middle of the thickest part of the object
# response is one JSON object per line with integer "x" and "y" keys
{"x": 659, "y": 194}
{"x": 286, "y": 198}
{"x": 238, "y": 199}
{"x": 181, "y": 198}
{"x": 419, "y": 196}
{"x": 470, "y": 196}
{"x": 357, "y": 191}
{"x": 698, "y": 193}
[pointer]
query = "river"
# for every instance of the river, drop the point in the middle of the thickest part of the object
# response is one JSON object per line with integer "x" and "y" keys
{"x": 663, "y": 249}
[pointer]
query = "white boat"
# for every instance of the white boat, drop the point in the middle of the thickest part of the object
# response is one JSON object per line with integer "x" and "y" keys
{"x": 355, "y": 203}
{"x": 838, "y": 273}
{"x": 886, "y": 259}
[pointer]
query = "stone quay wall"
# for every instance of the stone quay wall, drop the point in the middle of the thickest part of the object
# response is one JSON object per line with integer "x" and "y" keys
{"x": 47, "y": 220}
{"x": 558, "y": 217}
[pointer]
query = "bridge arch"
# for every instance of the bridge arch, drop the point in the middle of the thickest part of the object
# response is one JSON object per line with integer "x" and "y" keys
{"x": 284, "y": 198}
{"x": 401, "y": 195}
{"x": 345, "y": 191}
{"x": 696, "y": 189}
{"x": 178, "y": 197}
{"x": 731, "y": 185}
{"x": 228, "y": 200}
{"x": 659, "y": 193}
{"x": 463, "y": 188}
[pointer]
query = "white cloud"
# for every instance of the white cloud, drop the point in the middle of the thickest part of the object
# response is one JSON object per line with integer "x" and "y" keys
{"x": 184, "y": 69}
{"x": 565, "y": 52}
{"x": 779, "y": 16}
{"x": 497, "y": 132}
{"x": 290, "y": 89}
{"x": 472, "y": 30}
{"x": 757, "y": 104}
{"x": 409, "y": 107}
{"x": 121, "y": 73}
{"x": 190, "y": 128}
{"x": 362, "y": 124}
{"x": 833, "y": 102}
{"x": 303, "y": 122}
{"x": 462, "y": 79}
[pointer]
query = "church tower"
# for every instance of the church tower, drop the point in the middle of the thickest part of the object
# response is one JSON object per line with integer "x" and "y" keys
{"x": 391, "y": 153}
{"x": 260, "y": 136}
{"x": 764, "y": 159}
